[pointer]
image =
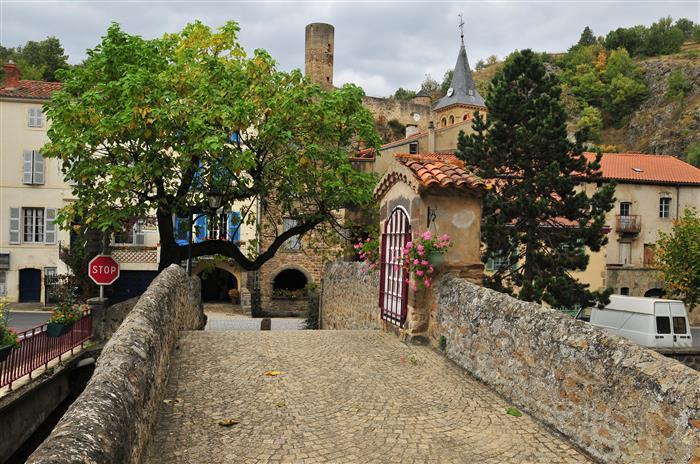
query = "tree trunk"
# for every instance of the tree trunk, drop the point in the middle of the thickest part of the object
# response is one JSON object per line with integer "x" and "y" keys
{"x": 169, "y": 250}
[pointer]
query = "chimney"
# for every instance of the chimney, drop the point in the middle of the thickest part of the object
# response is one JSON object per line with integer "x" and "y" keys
{"x": 411, "y": 129}
{"x": 11, "y": 75}
{"x": 431, "y": 137}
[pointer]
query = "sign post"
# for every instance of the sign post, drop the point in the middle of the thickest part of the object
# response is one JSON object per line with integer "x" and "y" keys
{"x": 103, "y": 270}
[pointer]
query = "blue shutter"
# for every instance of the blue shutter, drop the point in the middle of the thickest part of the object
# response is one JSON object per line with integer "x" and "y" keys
{"x": 200, "y": 227}
{"x": 182, "y": 235}
{"x": 234, "y": 228}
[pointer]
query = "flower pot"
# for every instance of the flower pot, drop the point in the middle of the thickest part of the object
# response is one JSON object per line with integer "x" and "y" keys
{"x": 5, "y": 352}
{"x": 56, "y": 330}
{"x": 436, "y": 259}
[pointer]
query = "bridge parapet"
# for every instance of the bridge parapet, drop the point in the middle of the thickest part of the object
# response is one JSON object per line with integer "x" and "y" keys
{"x": 616, "y": 400}
{"x": 111, "y": 421}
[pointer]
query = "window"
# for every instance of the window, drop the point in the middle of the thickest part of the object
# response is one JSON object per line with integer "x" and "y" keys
{"x": 625, "y": 249}
{"x": 49, "y": 271}
{"x": 649, "y": 254}
{"x": 182, "y": 235}
{"x": 3, "y": 283}
{"x": 663, "y": 325}
{"x": 443, "y": 121}
{"x": 33, "y": 221}
{"x": 413, "y": 148}
{"x": 625, "y": 209}
{"x": 33, "y": 173}
{"x": 665, "y": 207}
{"x": 5, "y": 261}
{"x": 502, "y": 262}
{"x": 36, "y": 117}
{"x": 624, "y": 291}
{"x": 131, "y": 235}
{"x": 679, "y": 326}
{"x": 293, "y": 243}
{"x": 452, "y": 120}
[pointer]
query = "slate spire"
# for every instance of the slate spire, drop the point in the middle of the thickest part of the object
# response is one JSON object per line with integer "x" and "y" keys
{"x": 462, "y": 85}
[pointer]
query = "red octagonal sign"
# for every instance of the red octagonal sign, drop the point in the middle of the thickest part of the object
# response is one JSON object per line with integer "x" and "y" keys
{"x": 103, "y": 270}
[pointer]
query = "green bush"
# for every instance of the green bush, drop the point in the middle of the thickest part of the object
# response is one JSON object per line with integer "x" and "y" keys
{"x": 692, "y": 155}
{"x": 678, "y": 86}
{"x": 312, "y": 311}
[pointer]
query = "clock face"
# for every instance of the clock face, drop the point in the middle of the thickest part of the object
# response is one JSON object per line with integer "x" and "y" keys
{"x": 416, "y": 117}
{"x": 450, "y": 91}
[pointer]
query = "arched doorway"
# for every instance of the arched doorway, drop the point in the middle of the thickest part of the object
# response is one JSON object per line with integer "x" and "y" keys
{"x": 216, "y": 284}
{"x": 655, "y": 293}
{"x": 290, "y": 283}
{"x": 29, "y": 285}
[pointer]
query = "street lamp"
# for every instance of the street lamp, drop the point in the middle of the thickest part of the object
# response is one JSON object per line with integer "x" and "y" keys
{"x": 214, "y": 197}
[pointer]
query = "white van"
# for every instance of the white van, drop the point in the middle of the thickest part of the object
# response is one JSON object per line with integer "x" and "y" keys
{"x": 651, "y": 322}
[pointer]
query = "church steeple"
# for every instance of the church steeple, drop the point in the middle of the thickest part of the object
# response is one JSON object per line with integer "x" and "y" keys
{"x": 462, "y": 88}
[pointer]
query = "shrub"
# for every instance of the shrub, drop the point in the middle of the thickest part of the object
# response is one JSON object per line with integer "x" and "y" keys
{"x": 8, "y": 337}
{"x": 678, "y": 86}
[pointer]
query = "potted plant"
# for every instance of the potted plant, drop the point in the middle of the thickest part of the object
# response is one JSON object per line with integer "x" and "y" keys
{"x": 62, "y": 318}
{"x": 8, "y": 337}
{"x": 421, "y": 256}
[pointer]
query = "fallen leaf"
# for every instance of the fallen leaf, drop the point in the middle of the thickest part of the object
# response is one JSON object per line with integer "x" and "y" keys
{"x": 280, "y": 404}
{"x": 172, "y": 401}
{"x": 273, "y": 373}
{"x": 513, "y": 411}
{"x": 228, "y": 422}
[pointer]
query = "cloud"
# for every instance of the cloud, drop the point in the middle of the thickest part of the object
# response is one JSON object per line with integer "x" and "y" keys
{"x": 380, "y": 46}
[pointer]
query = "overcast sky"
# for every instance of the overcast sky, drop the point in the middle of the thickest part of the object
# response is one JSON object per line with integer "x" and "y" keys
{"x": 378, "y": 45}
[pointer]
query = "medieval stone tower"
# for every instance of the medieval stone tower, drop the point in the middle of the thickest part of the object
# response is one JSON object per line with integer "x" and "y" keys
{"x": 319, "y": 54}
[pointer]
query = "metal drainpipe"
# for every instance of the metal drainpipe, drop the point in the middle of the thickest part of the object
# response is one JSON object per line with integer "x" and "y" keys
{"x": 678, "y": 199}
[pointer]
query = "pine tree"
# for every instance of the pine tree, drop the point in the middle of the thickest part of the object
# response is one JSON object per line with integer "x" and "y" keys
{"x": 587, "y": 37}
{"x": 538, "y": 218}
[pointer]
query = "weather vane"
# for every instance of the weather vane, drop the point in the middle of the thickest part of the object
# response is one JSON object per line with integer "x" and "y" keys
{"x": 461, "y": 26}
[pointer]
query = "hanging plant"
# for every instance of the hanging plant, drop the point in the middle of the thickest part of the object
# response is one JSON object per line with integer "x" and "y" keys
{"x": 421, "y": 256}
{"x": 368, "y": 252}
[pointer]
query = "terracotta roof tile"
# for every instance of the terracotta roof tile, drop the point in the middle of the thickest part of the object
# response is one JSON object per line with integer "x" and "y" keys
{"x": 442, "y": 171}
{"x": 646, "y": 168}
{"x": 39, "y": 90}
{"x": 366, "y": 154}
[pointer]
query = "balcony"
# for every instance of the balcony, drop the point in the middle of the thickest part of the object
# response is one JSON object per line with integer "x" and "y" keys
{"x": 628, "y": 224}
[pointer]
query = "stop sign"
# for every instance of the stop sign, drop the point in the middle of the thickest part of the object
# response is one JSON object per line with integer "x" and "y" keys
{"x": 103, "y": 270}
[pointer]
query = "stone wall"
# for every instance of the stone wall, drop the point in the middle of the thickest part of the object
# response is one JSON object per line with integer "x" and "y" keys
{"x": 616, "y": 400}
{"x": 688, "y": 356}
{"x": 389, "y": 108}
{"x": 349, "y": 297}
{"x": 112, "y": 419}
{"x": 107, "y": 319}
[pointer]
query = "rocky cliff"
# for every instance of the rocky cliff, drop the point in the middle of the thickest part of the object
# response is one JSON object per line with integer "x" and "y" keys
{"x": 664, "y": 125}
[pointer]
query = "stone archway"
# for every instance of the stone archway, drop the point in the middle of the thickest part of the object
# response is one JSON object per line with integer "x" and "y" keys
{"x": 218, "y": 278}
{"x": 287, "y": 288}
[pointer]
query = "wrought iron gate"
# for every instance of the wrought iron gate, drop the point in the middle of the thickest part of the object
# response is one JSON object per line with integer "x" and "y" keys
{"x": 393, "y": 291}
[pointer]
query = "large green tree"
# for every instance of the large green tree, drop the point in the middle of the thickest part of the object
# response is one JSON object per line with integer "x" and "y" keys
{"x": 152, "y": 126}
{"x": 678, "y": 258}
{"x": 37, "y": 60}
{"x": 538, "y": 218}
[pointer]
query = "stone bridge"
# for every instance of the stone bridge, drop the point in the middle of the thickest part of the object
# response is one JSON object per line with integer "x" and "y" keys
{"x": 165, "y": 392}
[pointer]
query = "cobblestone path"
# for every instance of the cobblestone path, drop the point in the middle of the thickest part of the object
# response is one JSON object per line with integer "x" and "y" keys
{"x": 343, "y": 397}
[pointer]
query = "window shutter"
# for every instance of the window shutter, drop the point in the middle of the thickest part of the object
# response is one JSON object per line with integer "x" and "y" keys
{"x": 234, "y": 227}
{"x": 14, "y": 225}
{"x": 139, "y": 237}
{"x": 50, "y": 226}
{"x": 182, "y": 235}
{"x": 38, "y": 168}
{"x": 200, "y": 229}
{"x": 28, "y": 167}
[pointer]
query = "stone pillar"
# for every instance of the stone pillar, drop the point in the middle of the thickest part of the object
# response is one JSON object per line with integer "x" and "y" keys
{"x": 98, "y": 309}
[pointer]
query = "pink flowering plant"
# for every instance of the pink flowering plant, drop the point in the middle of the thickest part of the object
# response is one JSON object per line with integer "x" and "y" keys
{"x": 8, "y": 337}
{"x": 418, "y": 254}
{"x": 368, "y": 252}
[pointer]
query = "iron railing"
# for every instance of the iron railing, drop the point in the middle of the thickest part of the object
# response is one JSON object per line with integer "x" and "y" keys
{"x": 37, "y": 349}
{"x": 631, "y": 224}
